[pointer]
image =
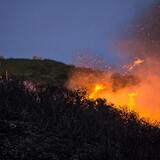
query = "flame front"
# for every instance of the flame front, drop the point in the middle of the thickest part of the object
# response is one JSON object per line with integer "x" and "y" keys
{"x": 99, "y": 91}
{"x": 132, "y": 100}
{"x": 138, "y": 89}
{"x": 98, "y": 87}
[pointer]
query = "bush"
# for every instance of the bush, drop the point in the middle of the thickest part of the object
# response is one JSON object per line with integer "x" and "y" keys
{"x": 57, "y": 124}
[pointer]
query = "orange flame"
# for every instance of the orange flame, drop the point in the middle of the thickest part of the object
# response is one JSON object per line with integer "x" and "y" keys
{"x": 97, "y": 88}
{"x": 136, "y": 62}
{"x": 139, "y": 92}
{"x": 132, "y": 101}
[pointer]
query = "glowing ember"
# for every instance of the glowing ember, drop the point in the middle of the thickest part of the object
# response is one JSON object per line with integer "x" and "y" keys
{"x": 136, "y": 62}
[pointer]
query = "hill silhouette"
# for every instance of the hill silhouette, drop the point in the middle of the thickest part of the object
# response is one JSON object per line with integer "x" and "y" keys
{"x": 44, "y": 71}
{"x": 56, "y": 124}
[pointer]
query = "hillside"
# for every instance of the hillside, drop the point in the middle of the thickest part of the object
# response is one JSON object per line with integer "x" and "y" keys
{"x": 58, "y": 124}
{"x": 47, "y": 71}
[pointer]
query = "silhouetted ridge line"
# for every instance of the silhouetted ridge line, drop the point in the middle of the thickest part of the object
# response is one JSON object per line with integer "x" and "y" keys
{"x": 55, "y": 123}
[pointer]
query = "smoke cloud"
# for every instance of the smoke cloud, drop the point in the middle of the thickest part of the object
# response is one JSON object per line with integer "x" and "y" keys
{"x": 138, "y": 84}
{"x": 145, "y": 37}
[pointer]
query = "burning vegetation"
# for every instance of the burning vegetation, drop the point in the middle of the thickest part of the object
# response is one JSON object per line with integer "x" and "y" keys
{"x": 59, "y": 124}
{"x": 136, "y": 87}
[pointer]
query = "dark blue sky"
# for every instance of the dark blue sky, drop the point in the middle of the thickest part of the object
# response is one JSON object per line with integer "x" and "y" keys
{"x": 58, "y": 29}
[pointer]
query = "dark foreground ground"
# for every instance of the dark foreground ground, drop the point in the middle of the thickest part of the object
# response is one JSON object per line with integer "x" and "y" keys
{"x": 57, "y": 124}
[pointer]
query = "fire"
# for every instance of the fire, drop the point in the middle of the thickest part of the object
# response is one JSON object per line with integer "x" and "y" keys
{"x": 132, "y": 101}
{"x": 136, "y": 62}
{"x": 98, "y": 87}
{"x": 97, "y": 93}
{"x": 138, "y": 89}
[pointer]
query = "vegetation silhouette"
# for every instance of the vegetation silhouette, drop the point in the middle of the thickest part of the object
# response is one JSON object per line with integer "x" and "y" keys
{"x": 53, "y": 123}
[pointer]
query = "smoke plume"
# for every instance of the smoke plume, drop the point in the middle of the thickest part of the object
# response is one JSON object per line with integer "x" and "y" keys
{"x": 137, "y": 86}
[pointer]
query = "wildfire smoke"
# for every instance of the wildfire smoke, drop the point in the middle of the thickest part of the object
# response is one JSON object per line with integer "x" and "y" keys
{"x": 138, "y": 89}
{"x": 137, "y": 84}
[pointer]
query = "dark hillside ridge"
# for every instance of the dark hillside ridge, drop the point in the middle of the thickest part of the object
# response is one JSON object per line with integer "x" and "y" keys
{"x": 57, "y": 124}
{"x": 47, "y": 71}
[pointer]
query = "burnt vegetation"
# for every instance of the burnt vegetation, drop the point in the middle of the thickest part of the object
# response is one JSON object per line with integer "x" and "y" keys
{"x": 56, "y": 124}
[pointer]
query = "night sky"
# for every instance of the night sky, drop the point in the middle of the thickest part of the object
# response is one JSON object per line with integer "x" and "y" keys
{"x": 59, "y": 29}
